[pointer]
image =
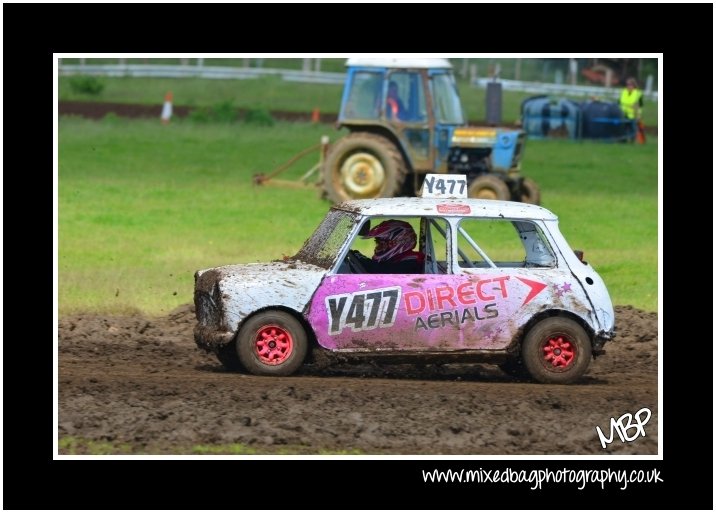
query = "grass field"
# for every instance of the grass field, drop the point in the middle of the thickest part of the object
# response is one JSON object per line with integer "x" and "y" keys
{"x": 273, "y": 93}
{"x": 142, "y": 206}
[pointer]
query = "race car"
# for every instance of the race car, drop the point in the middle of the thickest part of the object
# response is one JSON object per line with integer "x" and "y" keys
{"x": 496, "y": 283}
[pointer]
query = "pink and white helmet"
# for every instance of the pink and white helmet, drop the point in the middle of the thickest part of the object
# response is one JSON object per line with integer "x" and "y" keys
{"x": 392, "y": 238}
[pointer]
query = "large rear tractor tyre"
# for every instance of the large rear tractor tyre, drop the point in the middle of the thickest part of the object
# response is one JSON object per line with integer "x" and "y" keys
{"x": 488, "y": 187}
{"x": 556, "y": 350}
{"x": 272, "y": 343}
{"x": 363, "y": 165}
{"x": 529, "y": 192}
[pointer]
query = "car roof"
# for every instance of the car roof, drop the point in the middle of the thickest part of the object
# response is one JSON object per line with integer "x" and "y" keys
{"x": 446, "y": 208}
{"x": 398, "y": 62}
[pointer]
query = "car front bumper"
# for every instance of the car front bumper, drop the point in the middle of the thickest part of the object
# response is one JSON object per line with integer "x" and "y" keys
{"x": 210, "y": 339}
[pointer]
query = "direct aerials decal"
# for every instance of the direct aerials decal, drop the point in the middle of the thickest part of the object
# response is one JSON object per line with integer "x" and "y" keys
{"x": 431, "y": 307}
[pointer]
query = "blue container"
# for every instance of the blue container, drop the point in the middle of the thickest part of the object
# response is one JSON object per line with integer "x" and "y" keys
{"x": 605, "y": 121}
{"x": 546, "y": 118}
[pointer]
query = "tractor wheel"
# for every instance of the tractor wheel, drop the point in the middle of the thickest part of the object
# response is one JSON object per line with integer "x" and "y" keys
{"x": 363, "y": 165}
{"x": 556, "y": 350}
{"x": 488, "y": 187}
{"x": 529, "y": 192}
{"x": 272, "y": 343}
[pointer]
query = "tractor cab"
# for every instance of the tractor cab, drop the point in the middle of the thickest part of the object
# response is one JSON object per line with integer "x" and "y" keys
{"x": 375, "y": 88}
{"x": 414, "y": 102}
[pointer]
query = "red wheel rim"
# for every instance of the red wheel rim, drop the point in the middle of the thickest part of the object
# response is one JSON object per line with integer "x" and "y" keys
{"x": 559, "y": 352}
{"x": 273, "y": 344}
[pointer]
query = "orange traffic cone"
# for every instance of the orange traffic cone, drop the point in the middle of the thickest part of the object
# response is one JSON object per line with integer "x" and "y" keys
{"x": 167, "y": 109}
{"x": 315, "y": 115}
{"x": 640, "y": 133}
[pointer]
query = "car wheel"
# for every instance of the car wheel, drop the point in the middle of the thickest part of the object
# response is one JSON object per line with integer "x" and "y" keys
{"x": 362, "y": 165}
{"x": 556, "y": 350}
{"x": 488, "y": 187}
{"x": 529, "y": 192}
{"x": 272, "y": 343}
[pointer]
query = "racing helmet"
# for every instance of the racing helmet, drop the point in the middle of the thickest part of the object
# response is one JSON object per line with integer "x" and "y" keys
{"x": 392, "y": 238}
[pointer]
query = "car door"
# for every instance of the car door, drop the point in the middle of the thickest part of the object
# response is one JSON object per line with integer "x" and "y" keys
{"x": 389, "y": 312}
{"x": 510, "y": 271}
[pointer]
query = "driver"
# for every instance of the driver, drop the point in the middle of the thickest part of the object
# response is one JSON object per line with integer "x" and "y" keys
{"x": 394, "y": 105}
{"x": 394, "y": 243}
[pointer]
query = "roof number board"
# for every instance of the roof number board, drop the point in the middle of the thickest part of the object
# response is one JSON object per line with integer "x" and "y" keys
{"x": 444, "y": 186}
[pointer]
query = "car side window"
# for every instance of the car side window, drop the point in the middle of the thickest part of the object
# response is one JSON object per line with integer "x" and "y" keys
{"x": 435, "y": 232}
{"x": 538, "y": 251}
{"x": 398, "y": 245}
{"x": 503, "y": 243}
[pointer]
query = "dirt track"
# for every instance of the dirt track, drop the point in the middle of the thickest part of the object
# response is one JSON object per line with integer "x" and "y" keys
{"x": 142, "y": 384}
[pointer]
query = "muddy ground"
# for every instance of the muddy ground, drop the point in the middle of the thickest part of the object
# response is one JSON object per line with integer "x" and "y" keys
{"x": 142, "y": 385}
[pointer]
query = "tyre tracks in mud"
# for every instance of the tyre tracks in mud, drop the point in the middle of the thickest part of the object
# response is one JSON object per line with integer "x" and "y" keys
{"x": 143, "y": 382}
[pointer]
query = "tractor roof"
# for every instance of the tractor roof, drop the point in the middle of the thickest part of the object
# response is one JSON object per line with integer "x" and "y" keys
{"x": 398, "y": 62}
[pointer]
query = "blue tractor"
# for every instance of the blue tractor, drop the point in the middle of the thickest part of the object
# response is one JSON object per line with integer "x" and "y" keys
{"x": 406, "y": 120}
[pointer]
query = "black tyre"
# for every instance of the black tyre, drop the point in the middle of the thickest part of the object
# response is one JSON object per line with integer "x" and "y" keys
{"x": 529, "y": 192}
{"x": 488, "y": 187}
{"x": 229, "y": 358}
{"x": 556, "y": 350}
{"x": 515, "y": 368}
{"x": 272, "y": 343}
{"x": 363, "y": 165}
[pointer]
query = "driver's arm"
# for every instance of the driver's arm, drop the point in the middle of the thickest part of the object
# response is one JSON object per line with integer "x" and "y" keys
{"x": 367, "y": 264}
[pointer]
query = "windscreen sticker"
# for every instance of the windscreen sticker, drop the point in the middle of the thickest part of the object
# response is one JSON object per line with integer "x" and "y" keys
{"x": 453, "y": 209}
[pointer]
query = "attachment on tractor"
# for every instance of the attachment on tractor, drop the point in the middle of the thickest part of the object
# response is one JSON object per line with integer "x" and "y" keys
{"x": 303, "y": 181}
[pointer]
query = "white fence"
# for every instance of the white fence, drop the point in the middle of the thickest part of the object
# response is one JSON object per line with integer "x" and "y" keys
{"x": 559, "y": 89}
{"x": 214, "y": 72}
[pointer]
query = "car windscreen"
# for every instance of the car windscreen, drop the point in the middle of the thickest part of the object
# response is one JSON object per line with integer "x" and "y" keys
{"x": 323, "y": 246}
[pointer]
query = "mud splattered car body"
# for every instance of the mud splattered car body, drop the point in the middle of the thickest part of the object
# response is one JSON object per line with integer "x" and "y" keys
{"x": 500, "y": 285}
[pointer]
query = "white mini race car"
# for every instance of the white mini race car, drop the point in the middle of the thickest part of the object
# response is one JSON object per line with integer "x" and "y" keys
{"x": 497, "y": 283}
